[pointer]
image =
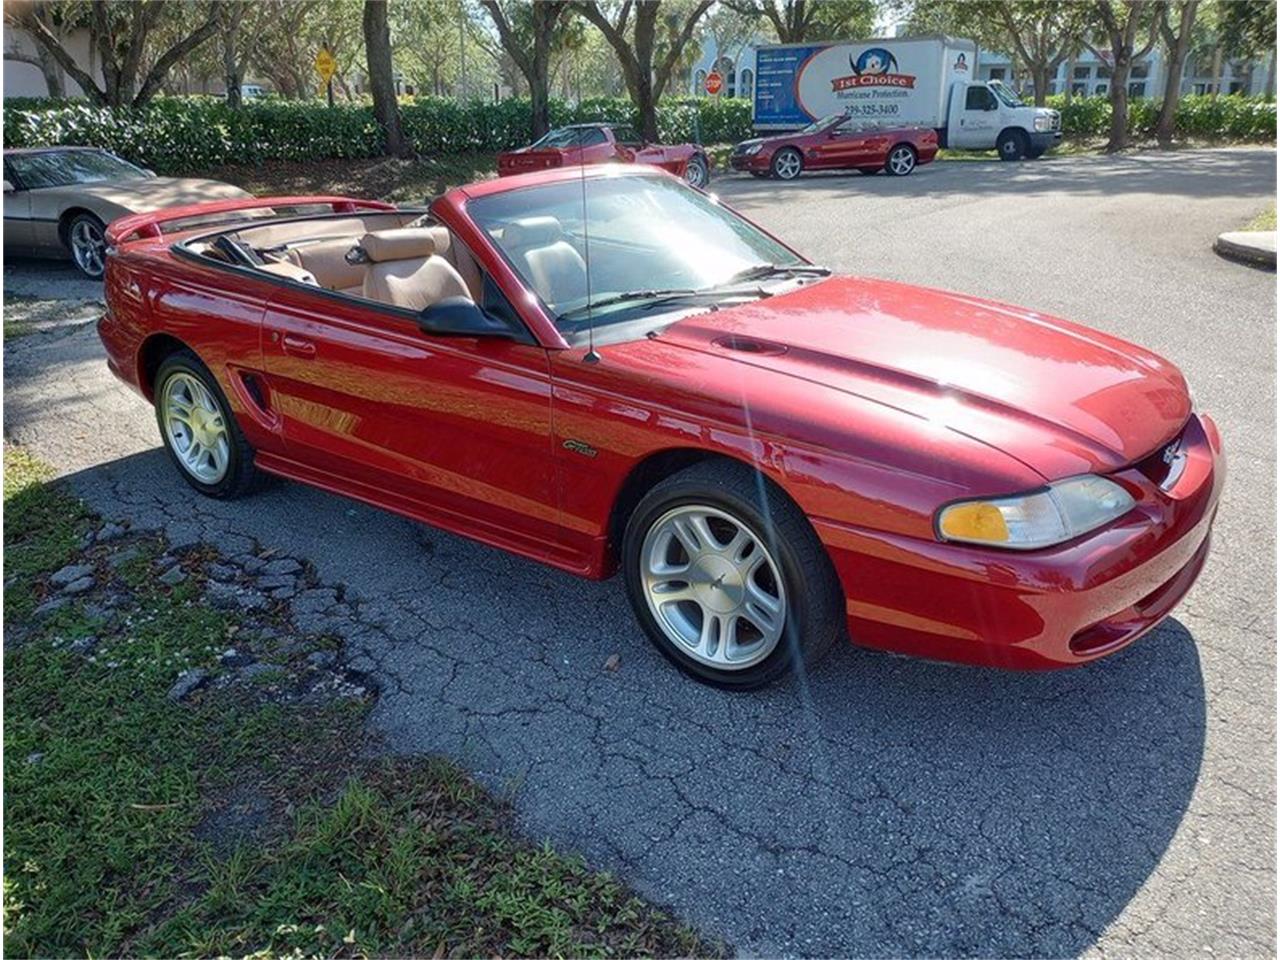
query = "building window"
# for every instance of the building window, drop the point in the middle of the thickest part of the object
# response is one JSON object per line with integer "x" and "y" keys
{"x": 1081, "y": 73}
{"x": 1079, "y": 89}
{"x": 1138, "y": 89}
{"x": 1141, "y": 70}
{"x": 997, "y": 73}
{"x": 1104, "y": 73}
{"x": 748, "y": 82}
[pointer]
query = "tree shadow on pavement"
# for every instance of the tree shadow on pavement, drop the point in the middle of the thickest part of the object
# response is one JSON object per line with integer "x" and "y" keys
{"x": 878, "y": 806}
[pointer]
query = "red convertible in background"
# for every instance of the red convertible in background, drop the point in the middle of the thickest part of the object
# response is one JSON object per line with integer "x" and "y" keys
{"x": 584, "y": 143}
{"x": 774, "y": 457}
{"x": 837, "y": 142}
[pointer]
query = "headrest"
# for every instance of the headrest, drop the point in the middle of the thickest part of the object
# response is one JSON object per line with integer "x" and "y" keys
{"x": 532, "y": 232}
{"x": 404, "y": 243}
{"x": 441, "y": 234}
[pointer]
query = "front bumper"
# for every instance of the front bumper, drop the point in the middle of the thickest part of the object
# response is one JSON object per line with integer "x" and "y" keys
{"x": 1043, "y": 609}
{"x": 757, "y": 162}
{"x": 1045, "y": 140}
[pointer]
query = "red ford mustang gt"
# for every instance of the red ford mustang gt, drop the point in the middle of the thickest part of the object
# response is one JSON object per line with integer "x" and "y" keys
{"x": 774, "y": 457}
{"x": 585, "y": 143}
{"x": 837, "y": 143}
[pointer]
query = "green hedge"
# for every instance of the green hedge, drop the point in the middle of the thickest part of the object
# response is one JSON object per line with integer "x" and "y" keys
{"x": 1231, "y": 117}
{"x": 181, "y": 134}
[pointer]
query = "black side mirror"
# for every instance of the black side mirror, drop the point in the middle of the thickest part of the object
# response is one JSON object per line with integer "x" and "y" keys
{"x": 461, "y": 317}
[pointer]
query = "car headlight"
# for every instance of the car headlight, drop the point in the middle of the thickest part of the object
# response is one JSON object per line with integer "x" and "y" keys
{"x": 1061, "y": 512}
{"x": 752, "y": 150}
{"x": 1043, "y": 124}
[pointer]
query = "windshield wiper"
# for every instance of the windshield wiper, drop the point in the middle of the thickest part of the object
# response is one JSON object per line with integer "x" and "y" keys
{"x": 654, "y": 298}
{"x": 762, "y": 270}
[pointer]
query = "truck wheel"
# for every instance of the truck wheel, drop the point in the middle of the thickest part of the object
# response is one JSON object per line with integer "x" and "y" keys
{"x": 901, "y": 160}
{"x": 1012, "y": 145}
{"x": 787, "y": 163}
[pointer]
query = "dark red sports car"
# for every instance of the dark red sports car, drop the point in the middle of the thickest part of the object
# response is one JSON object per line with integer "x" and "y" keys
{"x": 585, "y": 143}
{"x": 775, "y": 458}
{"x": 837, "y": 142}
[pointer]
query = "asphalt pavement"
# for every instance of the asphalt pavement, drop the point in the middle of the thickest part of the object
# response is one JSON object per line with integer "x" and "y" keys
{"x": 881, "y": 805}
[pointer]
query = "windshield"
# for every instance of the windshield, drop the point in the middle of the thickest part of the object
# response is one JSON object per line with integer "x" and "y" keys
{"x": 60, "y": 168}
{"x": 827, "y": 121}
{"x": 647, "y": 234}
{"x": 566, "y": 137}
{"x": 1006, "y": 94}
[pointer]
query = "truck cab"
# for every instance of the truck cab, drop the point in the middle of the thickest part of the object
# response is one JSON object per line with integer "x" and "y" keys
{"x": 985, "y": 115}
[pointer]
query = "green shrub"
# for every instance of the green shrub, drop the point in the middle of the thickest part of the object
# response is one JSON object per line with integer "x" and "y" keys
{"x": 181, "y": 134}
{"x": 1233, "y": 117}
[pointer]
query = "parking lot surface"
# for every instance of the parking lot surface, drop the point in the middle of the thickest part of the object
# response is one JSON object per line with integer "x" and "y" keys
{"x": 880, "y": 805}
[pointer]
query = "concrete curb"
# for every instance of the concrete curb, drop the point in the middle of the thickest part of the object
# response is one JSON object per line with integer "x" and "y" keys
{"x": 1255, "y": 247}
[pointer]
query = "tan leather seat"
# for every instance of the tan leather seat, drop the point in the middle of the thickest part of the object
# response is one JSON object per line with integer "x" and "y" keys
{"x": 327, "y": 261}
{"x": 554, "y": 267}
{"x": 290, "y": 271}
{"x": 406, "y": 271}
{"x": 460, "y": 257}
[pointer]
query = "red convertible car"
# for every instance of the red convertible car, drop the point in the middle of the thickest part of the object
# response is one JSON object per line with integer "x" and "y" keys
{"x": 837, "y": 142}
{"x": 585, "y": 143}
{"x": 774, "y": 457}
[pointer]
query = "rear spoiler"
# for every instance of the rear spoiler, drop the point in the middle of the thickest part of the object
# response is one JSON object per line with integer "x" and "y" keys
{"x": 146, "y": 226}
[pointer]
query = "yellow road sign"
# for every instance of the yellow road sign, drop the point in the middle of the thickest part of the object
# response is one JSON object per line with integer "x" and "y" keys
{"x": 326, "y": 65}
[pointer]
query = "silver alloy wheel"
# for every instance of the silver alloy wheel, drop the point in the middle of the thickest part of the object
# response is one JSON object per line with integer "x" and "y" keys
{"x": 902, "y": 161}
{"x": 88, "y": 246}
{"x": 695, "y": 172}
{"x": 196, "y": 427}
{"x": 713, "y": 587}
{"x": 787, "y": 166}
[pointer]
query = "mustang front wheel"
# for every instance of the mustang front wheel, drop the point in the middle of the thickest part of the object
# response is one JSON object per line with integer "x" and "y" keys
{"x": 87, "y": 240}
{"x": 199, "y": 432}
{"x": 901, "y": 160}
{"x": 728, "y": 578}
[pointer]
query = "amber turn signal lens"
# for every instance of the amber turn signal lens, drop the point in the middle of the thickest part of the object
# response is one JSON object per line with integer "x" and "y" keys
{"x": 974, "y": 521}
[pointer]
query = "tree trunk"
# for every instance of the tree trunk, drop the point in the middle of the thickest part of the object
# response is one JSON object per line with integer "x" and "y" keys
{"x": 1176, "y": 47}
{"x": 1067, "y": 90}
{"x": 1215, "y": 72}
{"x": 1270, "y": 92}
{"x": 1119, "y": 96}
{"x": 1040, "y": 76}
{"x": 231, "y": 71}
{"x": 377, "y": 43}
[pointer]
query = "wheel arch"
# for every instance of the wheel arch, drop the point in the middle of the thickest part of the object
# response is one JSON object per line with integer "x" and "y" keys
{"x": 1016, "y": 131}
{"x": 64, "y": 223}
{"x": 151, "y": 354}
{"x": 650, "y": 470}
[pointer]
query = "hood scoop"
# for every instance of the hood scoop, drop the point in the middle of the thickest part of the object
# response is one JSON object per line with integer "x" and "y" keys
{"x": 739, "y": 343}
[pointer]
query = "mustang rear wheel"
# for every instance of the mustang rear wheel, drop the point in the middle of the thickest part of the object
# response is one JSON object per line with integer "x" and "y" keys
{"x": 87, "y": 241}
{"x": 695, "y": 172}
{"x": 787, "y": 163}
{"x": 728, "y": 578}
{"x": 199, "y": 431}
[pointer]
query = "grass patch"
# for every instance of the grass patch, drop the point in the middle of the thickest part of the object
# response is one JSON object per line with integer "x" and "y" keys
{"x": 234, "y": 823}
{"x": 1266, "y": 220}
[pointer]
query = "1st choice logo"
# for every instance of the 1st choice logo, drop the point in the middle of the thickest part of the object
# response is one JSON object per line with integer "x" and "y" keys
{"x": 875, "y": 68}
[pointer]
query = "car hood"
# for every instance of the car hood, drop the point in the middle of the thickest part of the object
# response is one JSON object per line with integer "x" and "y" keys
{"x": 1061, "y": 398}
{"x": 154, "y": 193}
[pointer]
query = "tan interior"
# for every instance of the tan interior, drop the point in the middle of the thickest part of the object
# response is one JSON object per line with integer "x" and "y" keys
{"x": 327, "y": 260}
{"x": 552, "y": 264}
{"x": 406, "y": 271}
{"x": 291, "y": 271}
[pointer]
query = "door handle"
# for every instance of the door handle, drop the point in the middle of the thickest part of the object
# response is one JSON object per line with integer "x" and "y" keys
{"x": 298, "y": 346}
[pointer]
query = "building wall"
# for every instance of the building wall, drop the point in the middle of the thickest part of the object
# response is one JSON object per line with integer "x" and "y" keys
{"x": 27, "y": 80}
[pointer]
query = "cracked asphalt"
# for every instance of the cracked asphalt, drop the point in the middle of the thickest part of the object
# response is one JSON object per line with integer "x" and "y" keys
{"x": 879, "y": 806}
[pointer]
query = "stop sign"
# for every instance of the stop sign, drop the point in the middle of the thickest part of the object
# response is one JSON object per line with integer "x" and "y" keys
{"x": 714, "y": 83}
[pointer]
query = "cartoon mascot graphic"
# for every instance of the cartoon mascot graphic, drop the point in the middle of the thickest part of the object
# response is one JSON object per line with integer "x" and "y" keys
{"x": 875, "y": 67}
{"x": 875, "y": 62}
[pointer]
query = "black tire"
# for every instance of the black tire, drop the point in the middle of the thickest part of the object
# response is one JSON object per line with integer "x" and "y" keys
{"x": 814, "y": 615}
{"x": 781, "y": 166}
{"x": 901, "y": 160}
{"x": 869, "y": 171}
{"x": 1035, "y": 153}
{"x": 1012, "y": 145}
{"x": 241, "y": 476}
{"x": 83, "y": 233}
{"x": 697, "y": 173}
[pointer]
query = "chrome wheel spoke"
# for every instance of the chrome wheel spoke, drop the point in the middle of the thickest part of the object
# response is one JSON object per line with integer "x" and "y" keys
{"x": 196, "y": 427}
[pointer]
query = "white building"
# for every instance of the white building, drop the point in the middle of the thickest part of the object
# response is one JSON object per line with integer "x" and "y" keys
{"x": 27, "y": 80}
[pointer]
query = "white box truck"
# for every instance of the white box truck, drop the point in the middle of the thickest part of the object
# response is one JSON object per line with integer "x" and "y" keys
{"x": 899, "y": 81}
